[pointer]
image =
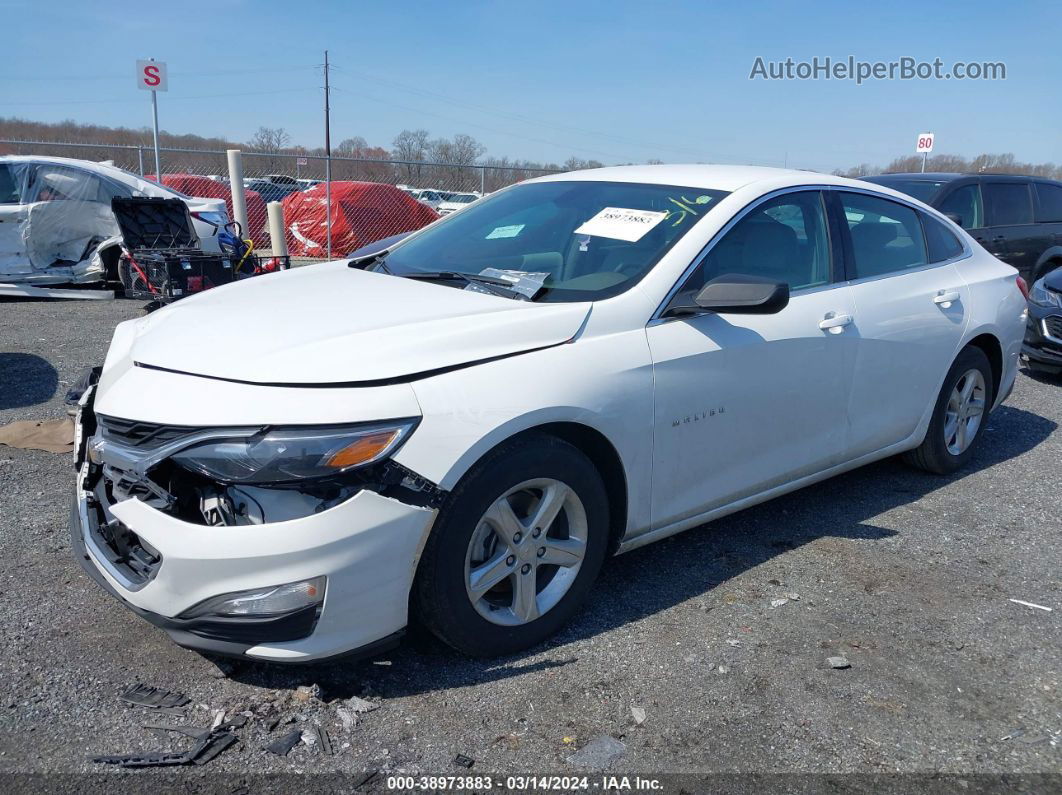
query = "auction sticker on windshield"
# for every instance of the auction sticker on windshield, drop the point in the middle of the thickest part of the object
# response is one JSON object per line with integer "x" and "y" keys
{"x": 621, "y": 223}
{"x": 505, "y": 231}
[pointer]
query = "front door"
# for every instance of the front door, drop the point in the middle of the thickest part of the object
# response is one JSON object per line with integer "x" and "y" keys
{"x": 748, "y": 402}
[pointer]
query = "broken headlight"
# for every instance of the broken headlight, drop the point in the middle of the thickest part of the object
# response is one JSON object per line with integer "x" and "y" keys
{"x": 285, "y": 455}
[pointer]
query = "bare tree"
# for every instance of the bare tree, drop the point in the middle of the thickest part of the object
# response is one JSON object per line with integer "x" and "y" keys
{"x": 410, "y": 145}
{"x": 578, "y": 164}
{"x": 369, "y": 170}
{"x": 270, "y": 140}
{"x": 456, "y": 153}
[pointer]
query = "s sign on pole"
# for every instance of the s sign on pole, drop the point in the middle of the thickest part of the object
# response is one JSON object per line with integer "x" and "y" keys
{"x": 924, "y": 147}
{"x": 151, "y": 76}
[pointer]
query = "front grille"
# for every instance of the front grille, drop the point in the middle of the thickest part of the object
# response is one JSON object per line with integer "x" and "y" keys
{"x": 1053, "y": 326}
{"x": 135, "y": 433}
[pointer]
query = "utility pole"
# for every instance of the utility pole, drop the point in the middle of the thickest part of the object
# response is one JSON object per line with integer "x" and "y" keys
{"x": 328, "y": 165}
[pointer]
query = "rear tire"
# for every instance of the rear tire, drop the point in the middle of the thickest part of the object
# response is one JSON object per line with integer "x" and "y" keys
{"x": 472, "y": 545}
{"x": 956, "y": 425}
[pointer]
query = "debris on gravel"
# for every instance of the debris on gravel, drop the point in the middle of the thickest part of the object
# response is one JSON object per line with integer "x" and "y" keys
{"x": 153, "y": 697}
{"x": 599, "y": 753}
{"x": 283, "y": 745}
{"x": 839, "y": 662}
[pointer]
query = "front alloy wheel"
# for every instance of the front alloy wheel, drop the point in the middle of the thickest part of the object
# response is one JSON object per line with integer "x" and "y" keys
{"x": 515, "y": 549}
{"x": 526, "y": 552}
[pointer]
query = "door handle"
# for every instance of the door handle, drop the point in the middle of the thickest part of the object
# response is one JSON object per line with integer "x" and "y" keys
{"x": 945, "y": 298}
{"x": 835, "y": 323}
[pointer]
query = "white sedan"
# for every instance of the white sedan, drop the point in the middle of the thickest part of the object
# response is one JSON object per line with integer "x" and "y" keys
{"x": 457, "y": 201}
{"x": 56, "y": 223}
{"x": 468, "y": 424}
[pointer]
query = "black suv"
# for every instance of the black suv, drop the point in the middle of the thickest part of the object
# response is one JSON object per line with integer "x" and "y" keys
{"x": 1017, "y": 218}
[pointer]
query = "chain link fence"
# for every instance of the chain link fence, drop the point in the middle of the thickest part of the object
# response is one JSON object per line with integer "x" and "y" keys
{"x": 366, "y": 200}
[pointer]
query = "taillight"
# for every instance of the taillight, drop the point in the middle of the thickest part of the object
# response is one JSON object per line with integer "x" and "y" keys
{"x": 1024, "y": 287}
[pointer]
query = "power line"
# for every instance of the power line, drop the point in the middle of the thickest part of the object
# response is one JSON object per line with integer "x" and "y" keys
{"x": 168, "y": 99}
{"x": 528, "y": 119}
{"x": 211, "y": 73}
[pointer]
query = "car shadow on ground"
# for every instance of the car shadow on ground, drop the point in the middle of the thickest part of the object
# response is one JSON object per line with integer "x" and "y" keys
{"x": 1042, "y": 377}
{"x": 654, "y": 578}
{"x": 26, "y": 380}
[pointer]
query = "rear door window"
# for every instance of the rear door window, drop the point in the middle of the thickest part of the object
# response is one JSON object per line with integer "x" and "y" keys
{"x": 1007, "y": 203}
{"x": 1049, "y": 198}
{"x": 60, "y": 183}
{"x": 940, "y": 241}
{"x": 886, "y": 236}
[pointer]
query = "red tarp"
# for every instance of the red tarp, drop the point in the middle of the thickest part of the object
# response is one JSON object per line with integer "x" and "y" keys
{"x": 206, "y": 188}
{"x": 362, "y": 213}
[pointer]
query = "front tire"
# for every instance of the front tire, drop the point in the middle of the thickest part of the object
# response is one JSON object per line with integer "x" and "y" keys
{"x": 515, "y": 550}
{"x": 959, "y": 415}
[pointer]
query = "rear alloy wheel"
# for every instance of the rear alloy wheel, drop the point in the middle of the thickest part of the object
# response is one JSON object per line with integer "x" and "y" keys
{"x": 959, "y": 415}
{"x": 964, "y": 412}
{"x": 515, "y": 550}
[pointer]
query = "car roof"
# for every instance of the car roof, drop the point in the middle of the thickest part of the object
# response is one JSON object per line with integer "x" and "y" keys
{"x": 945, "y": 176}
{"x": 87, "y": 165}
{"x": 711, "y": 177}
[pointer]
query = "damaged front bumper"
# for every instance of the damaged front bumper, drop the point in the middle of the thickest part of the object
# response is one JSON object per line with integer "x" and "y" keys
{"x": 161, "y": 566}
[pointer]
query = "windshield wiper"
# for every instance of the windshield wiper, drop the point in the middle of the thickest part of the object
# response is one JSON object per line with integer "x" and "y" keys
{"x": 494, "y": 285}
{"x": 376, "y": 259}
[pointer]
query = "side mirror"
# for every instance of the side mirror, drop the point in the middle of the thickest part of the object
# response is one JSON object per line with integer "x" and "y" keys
{"x": 954, "y": 217}
{"x": 738, "y": 295}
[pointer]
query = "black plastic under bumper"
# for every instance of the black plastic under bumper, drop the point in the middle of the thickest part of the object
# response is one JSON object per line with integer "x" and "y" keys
{"x": 231, "y": 637}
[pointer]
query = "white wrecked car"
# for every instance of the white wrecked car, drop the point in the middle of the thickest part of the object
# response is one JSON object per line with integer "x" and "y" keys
{"x": 466, "y": 424}
{"x": 56, "y": 224}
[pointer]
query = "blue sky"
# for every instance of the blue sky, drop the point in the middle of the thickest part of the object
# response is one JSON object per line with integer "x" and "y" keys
{"x": 615, "y": 81}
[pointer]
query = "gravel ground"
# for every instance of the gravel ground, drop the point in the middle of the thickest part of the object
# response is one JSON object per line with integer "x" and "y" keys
{"x": 907, "y": 575}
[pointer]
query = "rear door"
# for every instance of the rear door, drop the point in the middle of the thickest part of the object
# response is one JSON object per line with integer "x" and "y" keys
{"x": 1009, "y": 217}
{"x": 910, "y": 314}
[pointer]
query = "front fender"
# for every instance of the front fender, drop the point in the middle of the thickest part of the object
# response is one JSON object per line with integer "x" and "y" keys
{"x": 604, "y": 383}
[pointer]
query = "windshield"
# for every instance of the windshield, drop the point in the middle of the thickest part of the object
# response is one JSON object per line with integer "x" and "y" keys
{"x": 582, "y": 240}
{"x": 922, "y": 189}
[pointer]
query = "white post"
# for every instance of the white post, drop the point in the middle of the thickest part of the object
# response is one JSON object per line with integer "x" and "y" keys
{"x": 278, "y": 242}
{"x": 155, "y": 129}
{"x": 239, "y": 199}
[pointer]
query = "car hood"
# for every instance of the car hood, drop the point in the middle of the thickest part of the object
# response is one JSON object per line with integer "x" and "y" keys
{"x": 331, "y": 324}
